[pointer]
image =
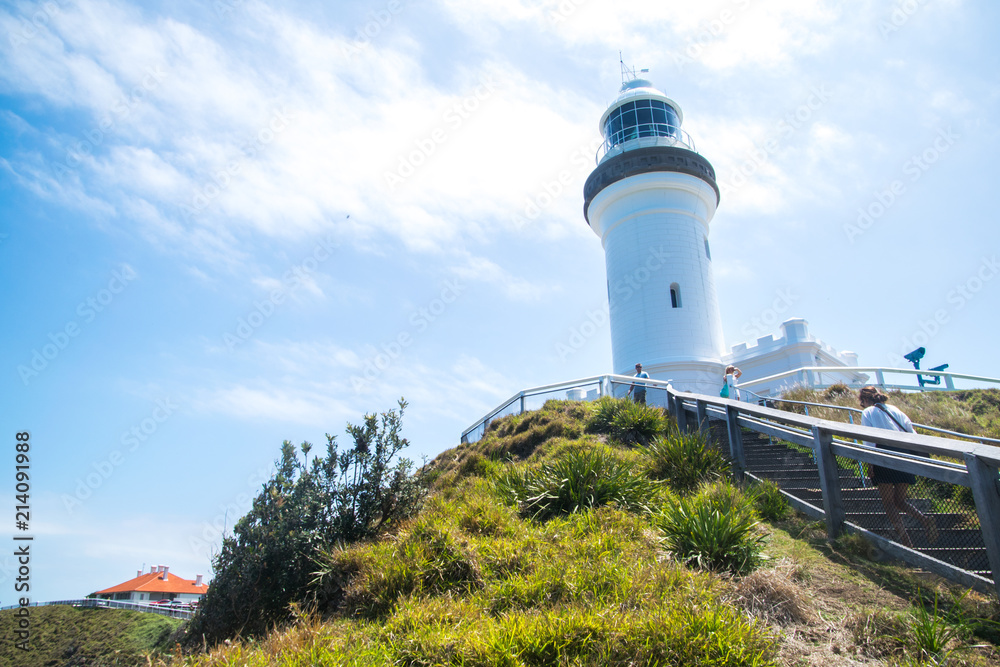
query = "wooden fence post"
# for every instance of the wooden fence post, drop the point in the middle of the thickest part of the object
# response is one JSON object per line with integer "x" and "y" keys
{"x": 702, "y": 409}
{"x": 829, "y": 480}
{"x": 682, "y": 422}
{"x": 983, "y": 480}
{"x": 736, "y": 442}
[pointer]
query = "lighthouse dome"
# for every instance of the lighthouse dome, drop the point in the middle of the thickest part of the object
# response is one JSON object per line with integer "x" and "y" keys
{"x": 641, "y": 116}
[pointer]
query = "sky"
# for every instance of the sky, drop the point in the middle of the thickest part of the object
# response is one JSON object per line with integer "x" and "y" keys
{"x": 227, "y": 224}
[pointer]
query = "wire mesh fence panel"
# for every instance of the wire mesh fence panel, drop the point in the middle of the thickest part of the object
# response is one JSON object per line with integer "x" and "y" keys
{"x": 792, "y": 467}
{"x": 933, "y": 517}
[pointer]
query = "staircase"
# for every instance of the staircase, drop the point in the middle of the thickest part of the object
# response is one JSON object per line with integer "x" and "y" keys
{"x": 959, "y": 541}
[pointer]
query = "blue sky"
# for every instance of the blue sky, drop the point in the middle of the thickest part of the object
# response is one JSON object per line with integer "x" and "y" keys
{"x": 227, "y": 224}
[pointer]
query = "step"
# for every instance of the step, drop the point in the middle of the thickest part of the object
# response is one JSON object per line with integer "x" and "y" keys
{"x": 875, "y": 505}
{"x": 772, "y": 463}
{"x": 876, "y": 521}
{"x": 804, "y": 471}
{"x": 810, "y": 482}
{"x": 973, "y": 559}
{"x": 858, "y": 493}
{"x": 781, "y": 458}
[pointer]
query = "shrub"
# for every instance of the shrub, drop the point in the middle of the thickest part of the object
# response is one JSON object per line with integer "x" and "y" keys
{"x": 636, "y": 423}
{"x": 624, "y": 421}
{"x": 685, "y": 460}
{"x": 601, "y": 412}
{"x": 715, "y": 529}
{"x": 267, "y": 563}
{"x": 578, "y": 480}
{"x": 767, "y": 498}
{"x": 835, "y": 391}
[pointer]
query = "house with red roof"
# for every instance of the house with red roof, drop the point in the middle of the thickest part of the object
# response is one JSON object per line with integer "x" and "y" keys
{"x": 157, "y": 584}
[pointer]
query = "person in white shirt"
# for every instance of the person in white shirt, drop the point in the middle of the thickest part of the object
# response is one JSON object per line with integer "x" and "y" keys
{"x": 893, "y": 485}
{"x": 729, "y": 389}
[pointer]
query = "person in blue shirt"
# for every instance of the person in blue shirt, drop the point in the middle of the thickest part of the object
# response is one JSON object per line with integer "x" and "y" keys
{"x": 640, "y": 389}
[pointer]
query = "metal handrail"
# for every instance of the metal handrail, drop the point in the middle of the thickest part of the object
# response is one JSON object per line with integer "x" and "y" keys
{"x": 851, "y": 411}
{"x": 603, "y": 383}
{"x": 653, "y": 138}
{"x": 880, "y": 372}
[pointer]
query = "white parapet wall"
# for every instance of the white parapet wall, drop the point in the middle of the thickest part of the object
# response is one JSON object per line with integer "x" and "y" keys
{"x": 795, "y": 348}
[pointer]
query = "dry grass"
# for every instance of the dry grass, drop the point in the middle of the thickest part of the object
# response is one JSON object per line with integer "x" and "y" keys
{"x": 775, "y": 595}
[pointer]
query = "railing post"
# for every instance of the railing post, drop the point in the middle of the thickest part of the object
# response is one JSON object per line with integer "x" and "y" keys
{"x": 681, "y": 415}
{"x": 829, "y": 480}
{"x": 949, "y": 381}
{"x": 879, "y": 378}
{"x": 736, "y": 442}
{"x": 522, "y": 403}
{"x": 983, "y": 480}
{"x": 702, "y": 409}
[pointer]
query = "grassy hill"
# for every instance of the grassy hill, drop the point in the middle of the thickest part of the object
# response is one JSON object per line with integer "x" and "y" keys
{"x": 590, "y": 534}
{"x": 63, "y": 636}
{"x": 584, "y": 535}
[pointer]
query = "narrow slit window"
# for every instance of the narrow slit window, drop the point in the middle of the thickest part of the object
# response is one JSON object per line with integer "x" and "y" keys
{"x": 675, "y": 296}
{"x": 708, "y": 252}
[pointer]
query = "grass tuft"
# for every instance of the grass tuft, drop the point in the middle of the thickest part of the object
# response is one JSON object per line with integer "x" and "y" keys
{"x": 685, "y": 460}
{"x": 768, "y": 500}
{"x": 715, "y": 529}
{"x": 625, "y": 421}
{"x": 578, "y": 480}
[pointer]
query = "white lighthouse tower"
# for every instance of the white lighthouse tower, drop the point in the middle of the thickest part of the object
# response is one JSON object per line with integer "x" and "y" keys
{"x": 650, "y": 200}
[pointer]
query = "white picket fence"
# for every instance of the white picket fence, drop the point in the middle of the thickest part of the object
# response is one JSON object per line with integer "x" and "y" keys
{"x": 94, "y": 603}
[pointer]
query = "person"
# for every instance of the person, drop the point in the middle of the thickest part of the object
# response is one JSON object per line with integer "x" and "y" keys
{"x": 729, "y": 389}
{"x": 893, "y": 485}
{"x": 640, "y": 389}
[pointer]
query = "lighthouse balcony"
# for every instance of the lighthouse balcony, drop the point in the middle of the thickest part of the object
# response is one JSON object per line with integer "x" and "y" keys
{"x": 644, "y": 136}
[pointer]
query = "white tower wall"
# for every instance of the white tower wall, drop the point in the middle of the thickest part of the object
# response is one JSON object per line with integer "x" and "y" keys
{"x": 651, "y": 200}
{"x": 653, "y": 228}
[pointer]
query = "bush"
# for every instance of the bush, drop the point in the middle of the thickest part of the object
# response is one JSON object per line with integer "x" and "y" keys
{"x": 268, "y": 561}
{"x": 580, "y": 479}
{"x": 767, "y": 498}
{"x": 624, "y": 421}
{"x": 715, "y": 529}
{"x": 685, "y": 460}
{"x": 636, "y": 423}
{"x": 601, "y": 412}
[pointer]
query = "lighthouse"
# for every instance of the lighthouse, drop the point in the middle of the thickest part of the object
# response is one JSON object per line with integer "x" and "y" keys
{"x": 651, "y": 199}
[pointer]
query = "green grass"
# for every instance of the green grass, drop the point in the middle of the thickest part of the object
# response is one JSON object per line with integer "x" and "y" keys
{"x": 768, "y": 501}
{"x": 544, "y": 545}
{"x": 470, "y": 582}
{"x": 63, "y": 635}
